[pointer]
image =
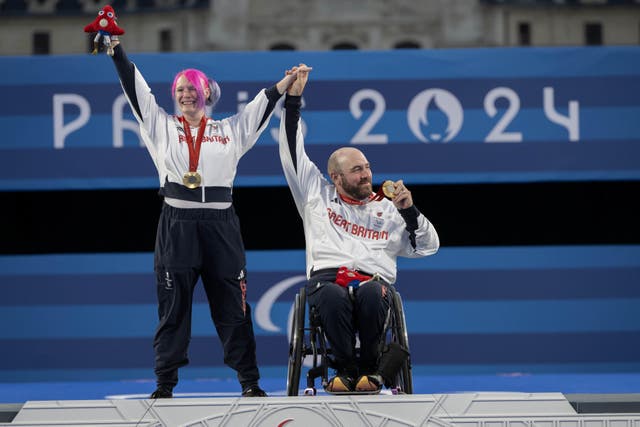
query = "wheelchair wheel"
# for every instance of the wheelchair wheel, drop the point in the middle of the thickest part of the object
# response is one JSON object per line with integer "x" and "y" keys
{"x": 405, "y": 379}
{"x": 296, "y": 355}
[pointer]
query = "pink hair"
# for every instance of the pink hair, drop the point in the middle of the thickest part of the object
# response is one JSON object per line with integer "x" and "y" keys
{"x": 197, "y": 78}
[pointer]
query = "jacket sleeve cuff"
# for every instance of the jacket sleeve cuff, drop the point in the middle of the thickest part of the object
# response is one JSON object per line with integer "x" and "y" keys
{"x": 410, "y": 216}
{"x": 272, "y": 93}
{"x": 291, "y": 101}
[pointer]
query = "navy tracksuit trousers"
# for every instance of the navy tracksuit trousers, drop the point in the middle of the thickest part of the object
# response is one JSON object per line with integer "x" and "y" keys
{"x": 343, "y": 317}
{"x": 206, "y": 244}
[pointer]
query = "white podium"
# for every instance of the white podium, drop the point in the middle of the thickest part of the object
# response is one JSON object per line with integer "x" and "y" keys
{"x": 488, "y": 409}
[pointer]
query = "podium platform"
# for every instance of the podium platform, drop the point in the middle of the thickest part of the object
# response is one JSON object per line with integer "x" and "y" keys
{"x": 486, "y": 409}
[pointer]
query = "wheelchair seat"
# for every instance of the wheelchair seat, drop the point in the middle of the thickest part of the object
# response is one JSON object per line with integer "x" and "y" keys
{"x": 308, "y": 343}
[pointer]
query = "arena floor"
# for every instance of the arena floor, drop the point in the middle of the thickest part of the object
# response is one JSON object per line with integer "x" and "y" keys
{"x": 575, "y": 383}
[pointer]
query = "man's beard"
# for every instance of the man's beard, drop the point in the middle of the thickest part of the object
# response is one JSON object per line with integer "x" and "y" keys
{"x": 358, "y": 191}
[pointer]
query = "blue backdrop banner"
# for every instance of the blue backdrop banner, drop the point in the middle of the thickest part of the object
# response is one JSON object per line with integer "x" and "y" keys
{"x": 426, "y": 116}
{"x": 481, "y": 309}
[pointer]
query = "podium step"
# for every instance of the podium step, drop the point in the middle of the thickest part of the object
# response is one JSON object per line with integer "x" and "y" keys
{"x": 454, "y": 410}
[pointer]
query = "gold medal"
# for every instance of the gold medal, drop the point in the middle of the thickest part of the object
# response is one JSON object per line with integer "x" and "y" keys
{"x": 388, "y": 188}
{"x": 192, "y": 179}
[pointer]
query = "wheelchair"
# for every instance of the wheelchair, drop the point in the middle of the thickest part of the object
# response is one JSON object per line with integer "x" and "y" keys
{"x": 308, "y": 341}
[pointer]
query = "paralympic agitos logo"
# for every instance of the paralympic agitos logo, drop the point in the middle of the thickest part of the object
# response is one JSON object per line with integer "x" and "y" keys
{"x": 267, "y": 300}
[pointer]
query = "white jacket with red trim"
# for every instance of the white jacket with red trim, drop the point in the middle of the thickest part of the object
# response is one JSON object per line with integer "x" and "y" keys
{"x": 367, "y": 237}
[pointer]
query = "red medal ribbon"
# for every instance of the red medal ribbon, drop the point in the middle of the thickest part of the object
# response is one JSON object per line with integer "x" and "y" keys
{"x": 194, "y": 151}
{"x": 379, "y": 195}
{"x": 349, "y": 200}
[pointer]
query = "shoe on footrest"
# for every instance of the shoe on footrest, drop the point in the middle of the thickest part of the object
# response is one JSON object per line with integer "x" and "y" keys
{"x": 253, "y": 391}
{"x": 369, "y": 384}
{"x": 339, "y": 384}
{"x": 162, "y": 392}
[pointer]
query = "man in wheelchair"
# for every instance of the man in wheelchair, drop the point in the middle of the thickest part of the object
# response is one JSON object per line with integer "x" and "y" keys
{"x": 353, "y": 237}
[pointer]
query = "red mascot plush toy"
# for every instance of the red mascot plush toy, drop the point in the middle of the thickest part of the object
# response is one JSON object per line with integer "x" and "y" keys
{"x": 106, "y": 27}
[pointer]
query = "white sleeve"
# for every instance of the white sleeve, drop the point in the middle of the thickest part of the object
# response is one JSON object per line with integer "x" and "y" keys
{"x": 152, "y": 118}
{"x": 249, "y": 123}
{"x": 303, "y": 176}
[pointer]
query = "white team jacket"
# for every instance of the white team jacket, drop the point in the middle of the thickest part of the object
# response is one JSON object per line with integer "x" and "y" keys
{"x": 224, "y": 143}
{"x": 366, "y": 237}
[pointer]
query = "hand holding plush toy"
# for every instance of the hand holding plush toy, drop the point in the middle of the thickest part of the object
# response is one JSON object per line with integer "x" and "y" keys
{"x": 106, "y": 27}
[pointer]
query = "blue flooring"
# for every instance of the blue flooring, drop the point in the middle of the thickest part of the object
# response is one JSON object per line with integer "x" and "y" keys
{"x": 592, "y": 383}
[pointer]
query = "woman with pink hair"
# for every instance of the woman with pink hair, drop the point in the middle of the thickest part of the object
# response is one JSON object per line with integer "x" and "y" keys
{"x": 198, "y": 234}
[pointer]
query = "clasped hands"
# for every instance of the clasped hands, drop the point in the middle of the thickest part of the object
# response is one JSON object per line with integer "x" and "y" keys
{"x": 295, "y": 80}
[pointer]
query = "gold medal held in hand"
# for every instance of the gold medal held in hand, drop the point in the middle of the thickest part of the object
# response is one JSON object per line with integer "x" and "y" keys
{"x": 389, "y": 188}
{"x": 192, "y": 179}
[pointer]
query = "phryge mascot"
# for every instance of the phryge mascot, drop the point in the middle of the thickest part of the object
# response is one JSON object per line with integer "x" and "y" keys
{"x": 107, "y": 29}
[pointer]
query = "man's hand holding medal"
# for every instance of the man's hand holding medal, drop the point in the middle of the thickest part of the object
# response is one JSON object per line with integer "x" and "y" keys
{"x": 398, "y": 193}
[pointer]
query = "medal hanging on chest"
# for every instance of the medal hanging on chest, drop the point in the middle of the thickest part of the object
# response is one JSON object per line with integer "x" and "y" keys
{"x": 192, "y": 178}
